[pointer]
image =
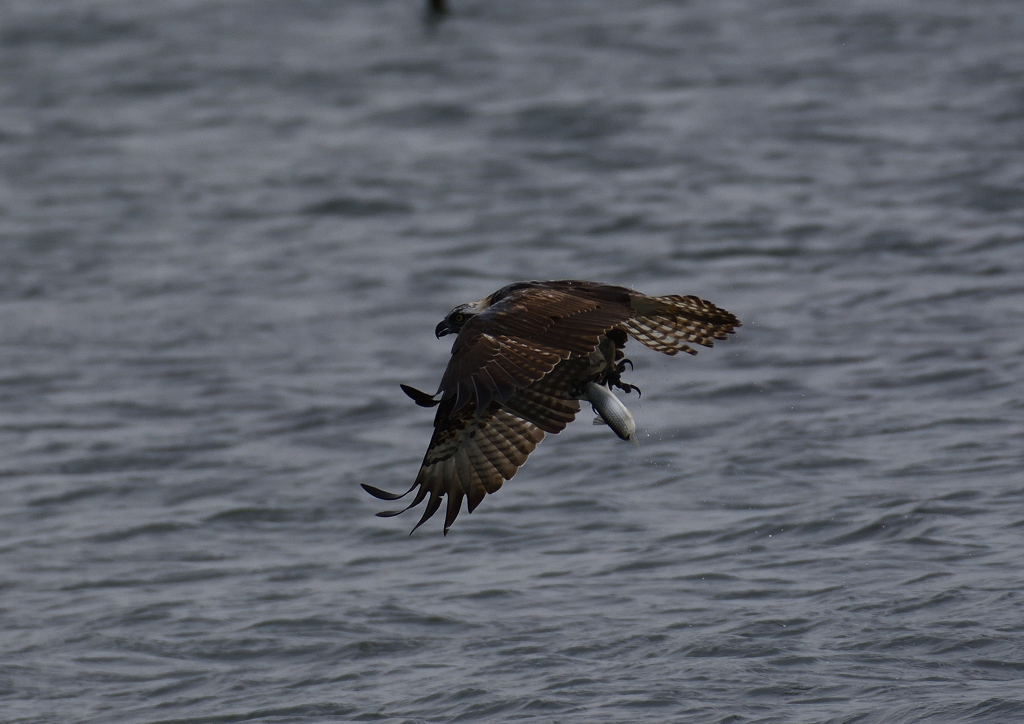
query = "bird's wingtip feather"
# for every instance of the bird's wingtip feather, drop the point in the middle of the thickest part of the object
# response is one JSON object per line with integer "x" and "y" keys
{"x": 383, "y": 494}
{"x": 420, "y": 397}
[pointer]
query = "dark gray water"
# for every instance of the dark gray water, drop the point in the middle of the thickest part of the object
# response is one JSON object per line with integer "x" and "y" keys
{"x": 227, "y": 230}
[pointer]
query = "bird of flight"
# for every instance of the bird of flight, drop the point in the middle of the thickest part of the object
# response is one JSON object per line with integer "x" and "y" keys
{"x": 522, "y": 360}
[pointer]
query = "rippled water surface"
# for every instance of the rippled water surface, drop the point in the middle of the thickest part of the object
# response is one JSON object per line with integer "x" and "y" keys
{"x": 227, "y": 230}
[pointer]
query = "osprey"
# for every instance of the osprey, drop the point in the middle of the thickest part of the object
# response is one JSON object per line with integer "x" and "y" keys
{"x": 522, "y": 360}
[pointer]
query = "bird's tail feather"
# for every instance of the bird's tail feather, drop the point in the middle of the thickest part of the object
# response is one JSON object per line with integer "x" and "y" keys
{"x": 667, "y": 323}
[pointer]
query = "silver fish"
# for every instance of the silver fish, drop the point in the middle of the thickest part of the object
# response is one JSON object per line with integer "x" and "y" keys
{"x": 611, "y": 411}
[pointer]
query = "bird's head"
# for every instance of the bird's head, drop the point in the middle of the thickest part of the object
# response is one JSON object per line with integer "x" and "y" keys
{"x": 454, "y": 321}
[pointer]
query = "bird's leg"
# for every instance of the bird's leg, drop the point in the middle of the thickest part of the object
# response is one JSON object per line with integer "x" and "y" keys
{"x": 615, "y": 380}
{"x": 627, "y": 388}
{"x": 616, "y": 361}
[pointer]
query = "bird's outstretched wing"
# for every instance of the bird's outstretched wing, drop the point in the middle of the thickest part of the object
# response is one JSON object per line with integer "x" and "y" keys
{"x": 469, "y": 456}
{"x": 473, "y": 454}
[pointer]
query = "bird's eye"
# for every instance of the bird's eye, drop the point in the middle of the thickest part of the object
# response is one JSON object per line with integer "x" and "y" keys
{"x": 459, "y": 317}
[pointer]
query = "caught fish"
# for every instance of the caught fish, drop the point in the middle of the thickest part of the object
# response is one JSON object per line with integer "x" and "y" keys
{"x": 612, "y": 412}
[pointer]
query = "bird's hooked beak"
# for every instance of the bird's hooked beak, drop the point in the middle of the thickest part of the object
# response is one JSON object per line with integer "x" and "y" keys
{"x": 442, "y": 329}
